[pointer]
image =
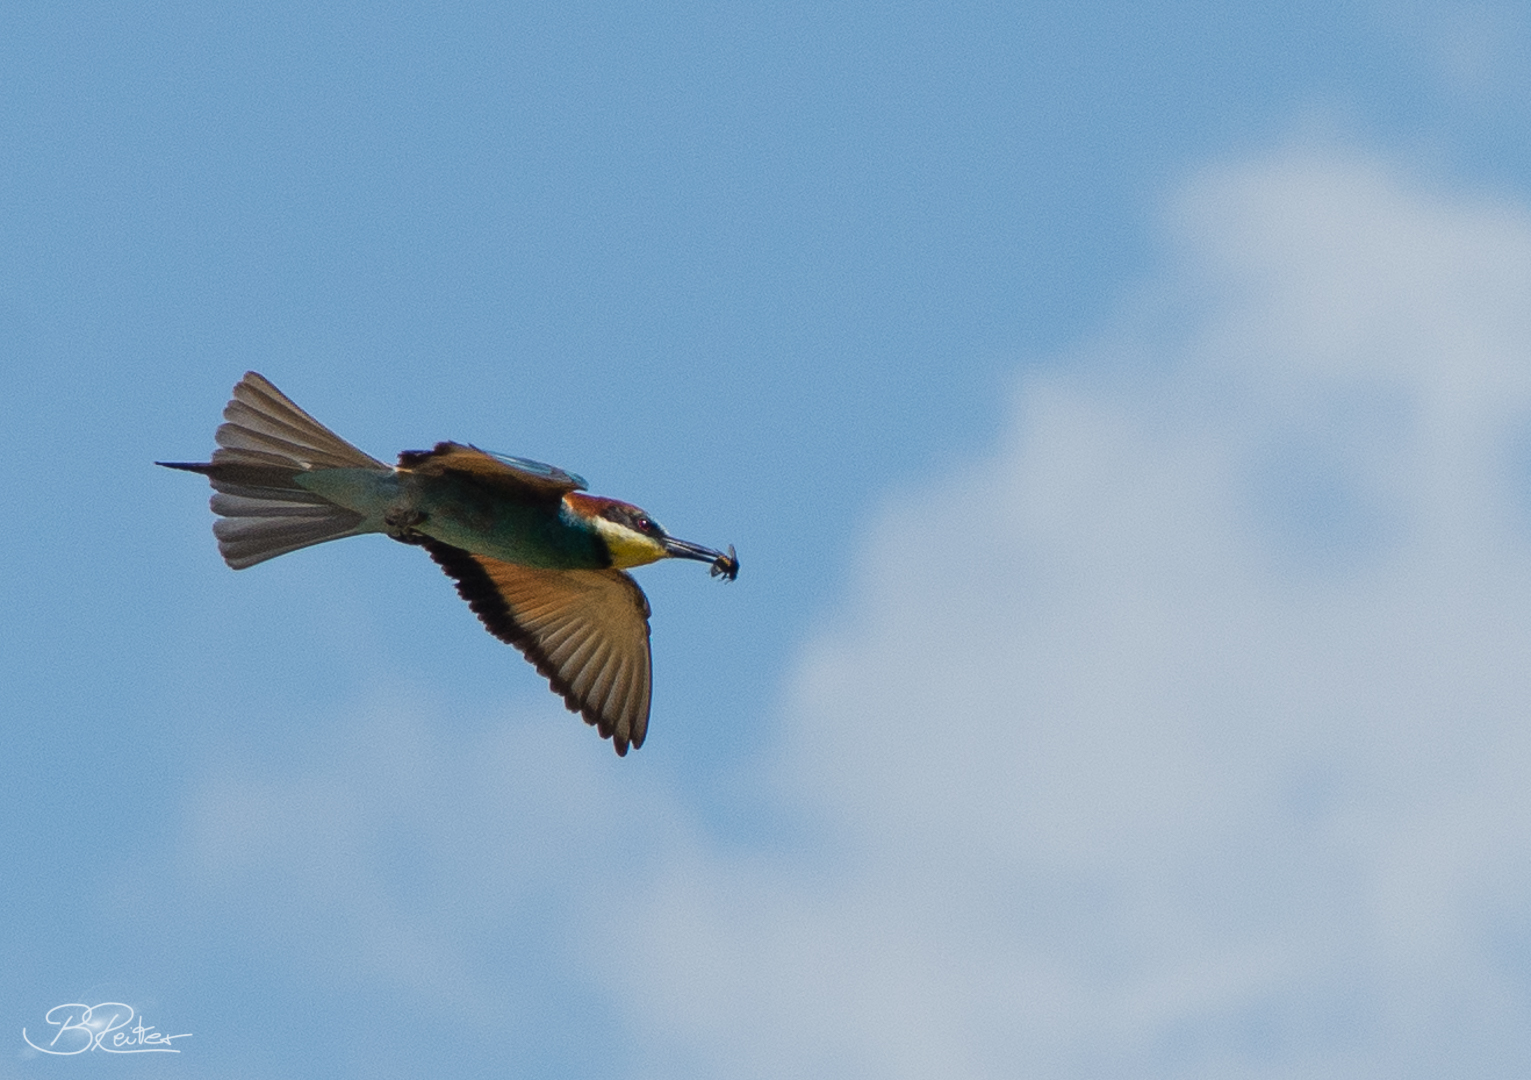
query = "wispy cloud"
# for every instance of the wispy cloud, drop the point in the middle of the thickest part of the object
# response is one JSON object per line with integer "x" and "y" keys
{"x": 1183, "y": 735}
{"x": 1186, "y": 734}
{"x": 1476, "y": 50}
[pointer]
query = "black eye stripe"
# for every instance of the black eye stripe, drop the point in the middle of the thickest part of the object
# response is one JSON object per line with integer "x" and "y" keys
{"x": 637, "y": 521}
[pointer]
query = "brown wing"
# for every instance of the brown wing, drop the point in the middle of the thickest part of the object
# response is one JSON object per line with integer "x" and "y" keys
{"x": 587, "y": 632}
{"x": 521, "y": 478}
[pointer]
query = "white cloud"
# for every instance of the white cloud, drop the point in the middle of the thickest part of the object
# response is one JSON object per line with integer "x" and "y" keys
{"x": 406, "y": 860}
{"x": 1476, "y": 50}
{"x": 1186, "y": 735}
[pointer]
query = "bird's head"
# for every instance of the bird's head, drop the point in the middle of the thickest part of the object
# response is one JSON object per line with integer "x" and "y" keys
{"x": 635, "y": 539}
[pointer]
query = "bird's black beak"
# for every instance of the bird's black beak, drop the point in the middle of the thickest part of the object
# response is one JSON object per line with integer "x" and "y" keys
{"x": 726, "y": 566}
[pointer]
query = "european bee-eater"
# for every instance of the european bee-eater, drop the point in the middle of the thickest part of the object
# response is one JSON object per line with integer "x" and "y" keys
{"x": 542, "y": 565}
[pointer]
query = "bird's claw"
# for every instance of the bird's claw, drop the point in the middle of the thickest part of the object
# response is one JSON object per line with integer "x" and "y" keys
{"x": 403, "y": 525}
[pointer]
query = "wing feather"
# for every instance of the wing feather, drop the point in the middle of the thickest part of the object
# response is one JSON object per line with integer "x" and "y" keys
{"x": 521, "y": 478}
{"x": 586, "y": 631}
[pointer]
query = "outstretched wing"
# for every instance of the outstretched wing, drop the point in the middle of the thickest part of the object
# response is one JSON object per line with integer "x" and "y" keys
{"x": 586, "y": 631}
{"x": 521, "y": 478}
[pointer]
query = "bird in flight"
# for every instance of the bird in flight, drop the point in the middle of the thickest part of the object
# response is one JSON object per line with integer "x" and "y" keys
{"x": 542, "y": 564}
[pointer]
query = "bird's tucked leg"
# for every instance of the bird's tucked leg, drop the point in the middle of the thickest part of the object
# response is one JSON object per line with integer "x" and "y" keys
{"x": 403, "y": 524}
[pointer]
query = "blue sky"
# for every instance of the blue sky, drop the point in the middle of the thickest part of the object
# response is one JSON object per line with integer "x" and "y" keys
{"x": 1123, "y": 414}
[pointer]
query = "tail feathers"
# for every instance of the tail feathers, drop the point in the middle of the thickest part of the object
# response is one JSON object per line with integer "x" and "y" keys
{"x": 251, "y": 530}
{"x": 265, "y": 444}
{"x": 263, "y": 513}
{"x": 264, "y": 427}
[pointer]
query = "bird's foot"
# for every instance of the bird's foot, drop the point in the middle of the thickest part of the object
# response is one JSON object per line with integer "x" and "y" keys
{"x": 404, "y": 525}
